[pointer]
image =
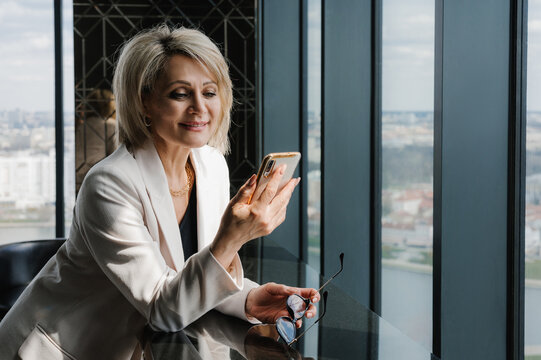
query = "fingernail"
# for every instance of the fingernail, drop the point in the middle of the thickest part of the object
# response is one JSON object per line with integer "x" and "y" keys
{"x": 298, "y": 181}
{"x": 314, "y": 299}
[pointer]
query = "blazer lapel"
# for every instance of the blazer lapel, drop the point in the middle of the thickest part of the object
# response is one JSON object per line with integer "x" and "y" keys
{"x": 202, "y": 202}
{"x": 155, "y": 180}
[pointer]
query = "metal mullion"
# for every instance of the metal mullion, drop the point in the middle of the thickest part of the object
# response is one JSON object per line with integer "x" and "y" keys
{"x": 303, "y": 142}
{"x": 303, "y": 115}
{"x": 375, "y": 161}
{"x": 437, "y": 182}
{"x": 516, "y": 180}
{"x": 59, "y": 121}
{"x": 322, "y": 145}
{"x": 259, "y": 105}
{"x": 322, "y": 164}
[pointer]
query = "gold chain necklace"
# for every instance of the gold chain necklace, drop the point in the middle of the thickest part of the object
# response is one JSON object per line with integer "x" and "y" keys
{"x": 188, "y": 187}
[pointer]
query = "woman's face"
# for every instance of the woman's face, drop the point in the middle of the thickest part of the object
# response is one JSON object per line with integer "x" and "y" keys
{"x": 184, "y": 107}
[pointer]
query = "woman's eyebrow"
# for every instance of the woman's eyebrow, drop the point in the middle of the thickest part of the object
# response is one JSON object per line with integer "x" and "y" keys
{"x": 184, "y": 82}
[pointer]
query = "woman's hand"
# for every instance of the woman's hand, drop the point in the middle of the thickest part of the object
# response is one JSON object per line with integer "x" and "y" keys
{"x": 267, "y": 302}
{"x": 245, "y": 219}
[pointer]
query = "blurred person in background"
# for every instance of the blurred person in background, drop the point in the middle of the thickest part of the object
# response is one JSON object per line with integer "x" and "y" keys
{"x": 95, "y": 132}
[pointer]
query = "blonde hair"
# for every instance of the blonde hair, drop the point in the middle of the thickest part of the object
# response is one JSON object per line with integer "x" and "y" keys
{"x": 142, "y": 60}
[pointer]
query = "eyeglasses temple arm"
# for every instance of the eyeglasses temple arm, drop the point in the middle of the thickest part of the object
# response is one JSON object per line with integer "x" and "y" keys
{"x": 324, "y": 311}
{"x": 335, "y": 275}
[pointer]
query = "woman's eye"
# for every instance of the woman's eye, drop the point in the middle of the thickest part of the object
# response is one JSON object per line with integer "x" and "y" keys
{"x": 209, "y": 94}
{"x": 178, "y": 95}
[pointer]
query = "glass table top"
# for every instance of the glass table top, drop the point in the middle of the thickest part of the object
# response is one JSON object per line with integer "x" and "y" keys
{"x": 348, "y": 329}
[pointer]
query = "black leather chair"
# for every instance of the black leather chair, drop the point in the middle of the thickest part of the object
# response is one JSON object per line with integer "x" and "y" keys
{"x": 19, "y": 263}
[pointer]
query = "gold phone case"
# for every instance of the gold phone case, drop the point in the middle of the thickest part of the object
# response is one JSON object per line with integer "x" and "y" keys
{"x": 272, "y": 160}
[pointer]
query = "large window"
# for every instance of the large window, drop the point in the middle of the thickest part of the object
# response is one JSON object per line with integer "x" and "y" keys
{"x": 532, "y": 315}
{"x": 407, "y": 166}
{"x": 27, "y": 122}
{"x": 313, "y": 105}
{"x": 69, "y": 112}
{"x": 312, "y": 88}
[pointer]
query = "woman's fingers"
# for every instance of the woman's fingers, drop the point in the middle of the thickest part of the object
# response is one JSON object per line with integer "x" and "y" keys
{"x": 262, "y": 185}
{"x": 245, "y": 192}
{"x": 311, "y": 311}
{"x": 259, "y": 213}
{"x": 257, "y": 192}
{"x": 272, "y": 186}
{"x": 280, "y": 289}
{"x": 278, "y": 206}
{"x": 281, "y": 200}
{"x": 310, "y": 293}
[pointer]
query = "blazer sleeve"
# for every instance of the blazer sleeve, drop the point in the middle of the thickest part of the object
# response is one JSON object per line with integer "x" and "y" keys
{"x": 110, "y": 216}
{"x": 235, "y": 304}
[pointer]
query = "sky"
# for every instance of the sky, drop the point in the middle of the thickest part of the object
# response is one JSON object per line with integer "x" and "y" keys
{"x": 534, "y": 56}
{"x": 408, "y": 55}
{"x": 27, "y": 61}
{"x": 314, "y": 56}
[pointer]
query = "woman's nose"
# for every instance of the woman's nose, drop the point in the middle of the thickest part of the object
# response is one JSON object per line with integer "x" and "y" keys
{"x": 198, "y": 104}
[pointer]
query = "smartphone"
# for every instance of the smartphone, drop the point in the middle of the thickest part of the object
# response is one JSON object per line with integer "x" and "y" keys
{"x": 274, "y": 160}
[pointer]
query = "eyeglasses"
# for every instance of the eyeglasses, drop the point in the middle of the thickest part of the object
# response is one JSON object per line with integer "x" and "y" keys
{"x": 297, "y": 307}
{"x": 287, "y": 329}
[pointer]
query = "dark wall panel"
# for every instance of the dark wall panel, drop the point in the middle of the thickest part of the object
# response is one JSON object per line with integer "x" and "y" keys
{"x": 347, "y": 143}
{"x": 281, "y": 99}
{"x": 472, "y": 90}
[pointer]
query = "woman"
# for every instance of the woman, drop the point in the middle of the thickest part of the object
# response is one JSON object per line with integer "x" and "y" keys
{"x": 143, "y": 211}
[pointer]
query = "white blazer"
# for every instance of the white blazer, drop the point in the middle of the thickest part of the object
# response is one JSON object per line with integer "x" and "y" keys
{"x": 123, "y": 265}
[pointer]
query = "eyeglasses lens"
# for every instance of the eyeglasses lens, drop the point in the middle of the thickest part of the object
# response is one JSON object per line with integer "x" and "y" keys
{"x": 297, "y": 306}
{"x": 286, "y": 328}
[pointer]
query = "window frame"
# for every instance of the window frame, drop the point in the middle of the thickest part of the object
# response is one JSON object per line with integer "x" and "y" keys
{"x": 59, "y": 121}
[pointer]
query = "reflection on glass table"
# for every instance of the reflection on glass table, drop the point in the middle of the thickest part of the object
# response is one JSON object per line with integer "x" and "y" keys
{"x": 347, "y": 330}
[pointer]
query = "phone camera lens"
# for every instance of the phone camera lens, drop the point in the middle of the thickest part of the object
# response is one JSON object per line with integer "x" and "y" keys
{"x": 268, "y": 168}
